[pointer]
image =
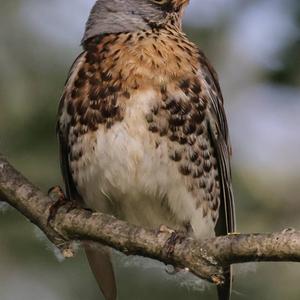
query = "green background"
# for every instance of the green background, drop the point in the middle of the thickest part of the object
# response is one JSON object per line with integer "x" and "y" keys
{"x": 35, "y": 54}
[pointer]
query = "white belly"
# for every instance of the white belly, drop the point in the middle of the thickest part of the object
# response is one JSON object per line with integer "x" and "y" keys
{"x": 125, "y": 172}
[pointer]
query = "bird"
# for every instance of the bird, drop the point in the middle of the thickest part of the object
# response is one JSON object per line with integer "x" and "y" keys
{"x": 142, "y": 128}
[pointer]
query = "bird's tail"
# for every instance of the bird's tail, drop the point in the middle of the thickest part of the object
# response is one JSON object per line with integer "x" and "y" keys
{"x": 100, "y": 263}
{"x": 224, "y": 290}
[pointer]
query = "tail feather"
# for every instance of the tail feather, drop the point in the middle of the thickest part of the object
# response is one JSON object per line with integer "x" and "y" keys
{"x": 224, "y": 290}
{"x": 100, "y": 263}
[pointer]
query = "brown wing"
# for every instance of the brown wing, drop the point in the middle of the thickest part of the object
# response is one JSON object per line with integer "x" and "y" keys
{"x": 62, "y": 131}
{"x": 218, "y": 130}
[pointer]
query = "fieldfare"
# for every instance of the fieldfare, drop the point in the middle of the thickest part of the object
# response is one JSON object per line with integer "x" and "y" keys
{"x": 142, "y": 129}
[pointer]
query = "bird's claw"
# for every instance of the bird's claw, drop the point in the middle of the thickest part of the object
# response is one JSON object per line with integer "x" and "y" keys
{"x": 56, "y": 193}
{"x": 165, "y": 229}
{"x": 234, "y": 233}
{"x": 175, "y": 237}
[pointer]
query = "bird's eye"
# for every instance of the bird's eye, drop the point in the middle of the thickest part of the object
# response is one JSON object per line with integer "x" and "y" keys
{"x": 160, "y": 2}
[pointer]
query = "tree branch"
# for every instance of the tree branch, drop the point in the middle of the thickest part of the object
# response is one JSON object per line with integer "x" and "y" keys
{"x": 204, "y": 258}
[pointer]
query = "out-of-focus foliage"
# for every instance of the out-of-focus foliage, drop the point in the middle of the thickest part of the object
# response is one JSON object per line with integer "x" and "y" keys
{"x": 255, "y": 46}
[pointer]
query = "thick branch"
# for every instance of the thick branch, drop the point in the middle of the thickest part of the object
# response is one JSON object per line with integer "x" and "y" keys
{"x": 203, "y": 258}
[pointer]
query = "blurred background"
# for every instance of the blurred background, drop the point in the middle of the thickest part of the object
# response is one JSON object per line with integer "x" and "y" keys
{"x": 254, "y": 45}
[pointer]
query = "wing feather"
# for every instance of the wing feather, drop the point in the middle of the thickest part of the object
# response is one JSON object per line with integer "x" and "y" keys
{"x": 62, "y": 131}
{"x": 218, "y": 131}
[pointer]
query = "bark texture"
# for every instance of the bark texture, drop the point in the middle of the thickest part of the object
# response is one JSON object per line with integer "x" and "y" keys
{"x": 203, "y": 258}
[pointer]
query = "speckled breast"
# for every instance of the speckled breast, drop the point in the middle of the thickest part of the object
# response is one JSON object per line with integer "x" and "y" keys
{"x": 137, "y": 132}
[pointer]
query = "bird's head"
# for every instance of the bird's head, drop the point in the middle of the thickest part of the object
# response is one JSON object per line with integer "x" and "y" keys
{"x": 115, "y": 16}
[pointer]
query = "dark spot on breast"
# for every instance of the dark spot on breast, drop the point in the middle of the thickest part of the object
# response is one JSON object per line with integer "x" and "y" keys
{"x": 126, "y": 94}
{"x": 178, "y": 58}
{"x": 201, "y": 105}
{"x": 199, "y": 131}
{"x": 207, "y": 166}
{"x": 185, "y": 108}
{"x": 176, "y": 156}
{"x": 159, "y": 53}
{"x": 109, "y": 123}
{"x": 193, "y": 156}
{"x": 109, "y": 111}
{"x": 153, "y": 128}
{"x": 196, "y": 88}
{"x": 206, "y": 155}
{"x": 202, "y": 183}
{"x": 129, "y": 37}
{"x": 79, "y": 83}
{"x": 189, "y": 128}
{"x": 204, "y": 145}
{"x": 163, "y": 131}
{"x": 198, "y": 162}
{"x": 185, "y": 170}
{"x": 113, "y": 89}
{"x": 106, "y": 76}
{"x": 103, "y": 93}
{"x": 116, "y": 52}
{"x": 155, "y": 109}
{"x": 91, "y": 119}
{"x": 73, "y": 121}
{"x": 182, "y": 140}
{"x": 149, "y": 118}
{"x": 163, "y": 89}
{"x": 82, "y": 74}
{"x": 75, "y": 93}
{"x": 81, "y": 107}
{"x": 198, "y": 172}
{"x": 94, "y": 94}
{"x": 185, "y": 84}
{"x": 177, "y": 120}
{"x": 173, "y": 106}
{"x": 91, "y": 57}
{"x": 191, "y": 140}
{"x": 197, "y": 117}
{"x": 173, "y": 137}
{"x": 195, "y": 99}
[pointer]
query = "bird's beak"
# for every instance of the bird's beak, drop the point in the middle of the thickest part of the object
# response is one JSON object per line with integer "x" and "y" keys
{"x": 181, "y": 3}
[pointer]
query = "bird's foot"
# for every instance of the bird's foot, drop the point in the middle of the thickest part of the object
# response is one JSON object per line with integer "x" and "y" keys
{"x": 175, "y": 237}
{"x": 165, "y": 229}
{"x": 234, "y": 233}
{"x": 56, "y": 193}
